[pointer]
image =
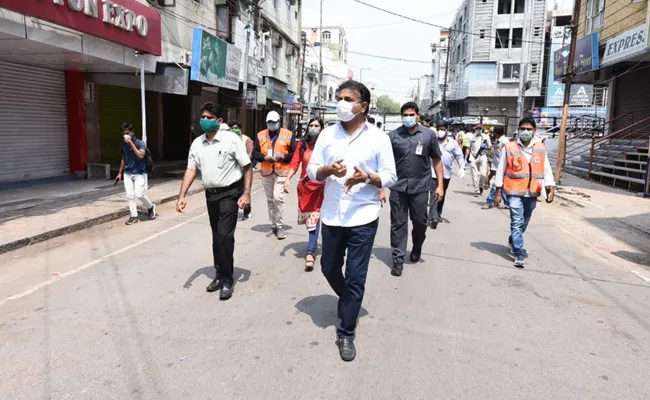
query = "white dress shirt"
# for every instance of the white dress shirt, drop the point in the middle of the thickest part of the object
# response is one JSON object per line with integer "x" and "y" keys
{"x": 370, "y": 151}
{"x": 549, "y": 180}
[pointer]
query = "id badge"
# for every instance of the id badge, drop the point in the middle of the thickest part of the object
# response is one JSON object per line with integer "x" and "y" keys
{"x": 418, "y": 149}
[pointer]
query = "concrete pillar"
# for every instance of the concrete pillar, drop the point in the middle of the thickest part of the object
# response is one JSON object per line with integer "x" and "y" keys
{"x": 76, "y": 110}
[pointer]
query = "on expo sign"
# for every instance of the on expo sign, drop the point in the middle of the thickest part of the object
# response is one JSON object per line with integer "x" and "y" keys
{"x": 113, "y": 14}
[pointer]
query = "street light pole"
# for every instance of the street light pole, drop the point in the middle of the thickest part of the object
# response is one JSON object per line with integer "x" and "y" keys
{"x": 320, "y": 56}
{"x": 242, "y": 117}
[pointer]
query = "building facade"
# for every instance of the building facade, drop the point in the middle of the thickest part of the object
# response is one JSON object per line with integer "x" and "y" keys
{"x": 493, "y": 44}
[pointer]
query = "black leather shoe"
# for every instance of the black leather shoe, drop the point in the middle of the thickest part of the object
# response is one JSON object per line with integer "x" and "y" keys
{"x": 415, "y": 255}
{"x": 226, "y": 291}
{"x": 346, "y": 349}
{"x": 214, "y": 285}
{"x": 397, "y": 270}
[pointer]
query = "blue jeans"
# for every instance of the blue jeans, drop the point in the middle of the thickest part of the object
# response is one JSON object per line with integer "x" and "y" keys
{"x": 521, "y": 209}
{"x": 313, "y": 240}
{"x": 358, "y": 242}
{"x": 490, "y": 199}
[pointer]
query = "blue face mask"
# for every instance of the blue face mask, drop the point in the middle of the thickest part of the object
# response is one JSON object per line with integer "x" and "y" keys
{"x": 273, "y": 126}
{"x": 525, "y": 134}
{"x": 209, "y": 125}
{"x": 409, "y": 122}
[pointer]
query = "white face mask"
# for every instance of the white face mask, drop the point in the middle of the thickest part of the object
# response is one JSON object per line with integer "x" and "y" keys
{"x": 344, "y": 111}
{"x": 442, "y": 134}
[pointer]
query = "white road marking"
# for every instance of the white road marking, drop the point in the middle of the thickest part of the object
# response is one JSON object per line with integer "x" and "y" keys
{"x": 97, "y": 261}
{"x": 643, "y": 277}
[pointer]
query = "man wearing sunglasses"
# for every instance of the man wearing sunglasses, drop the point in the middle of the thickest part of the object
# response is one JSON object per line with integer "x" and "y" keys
{"x": 523, "y": 169}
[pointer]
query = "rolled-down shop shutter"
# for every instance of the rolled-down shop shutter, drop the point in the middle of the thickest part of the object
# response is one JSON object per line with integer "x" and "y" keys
{"x": 117, "y": 105}
{"x": 33, "y": 123}
{"x": 197, "y": 103}
{"x": 632, "y": 94}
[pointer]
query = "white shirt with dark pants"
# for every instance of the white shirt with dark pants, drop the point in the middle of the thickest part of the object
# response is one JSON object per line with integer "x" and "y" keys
{"x": 350, "y": 219}
{"x": 221, "y": 162}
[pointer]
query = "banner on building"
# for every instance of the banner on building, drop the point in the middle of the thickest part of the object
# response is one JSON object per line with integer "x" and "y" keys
{"x": 581, "y": 94}
{"x": 261, "y": 96}
{"x": 586, "y": 57}
{"x": 214, "y": 61}
{"x": 255, "y": 71}
{"x": 251, "y": 99}
{"x": 276, "y": 90}
{"x": 624, "y": 46}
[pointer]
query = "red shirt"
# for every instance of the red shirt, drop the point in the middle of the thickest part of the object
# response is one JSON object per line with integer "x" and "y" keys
{"x": 296, "y": 160}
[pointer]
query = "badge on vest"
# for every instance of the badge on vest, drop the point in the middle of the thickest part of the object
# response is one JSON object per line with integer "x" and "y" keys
{"x": 536, "y": 160}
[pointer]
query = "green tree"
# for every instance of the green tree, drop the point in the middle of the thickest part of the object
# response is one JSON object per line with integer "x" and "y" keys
{"x": 386, "y": 105}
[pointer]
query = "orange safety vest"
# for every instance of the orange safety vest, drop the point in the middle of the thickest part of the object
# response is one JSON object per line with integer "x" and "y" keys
{"x": 282, "y": 145}
{"x": 523, "y": 177}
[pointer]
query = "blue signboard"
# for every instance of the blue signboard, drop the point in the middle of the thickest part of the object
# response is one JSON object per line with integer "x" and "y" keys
{"x": 586, "y": 57}
{"x": 581, "y": 94}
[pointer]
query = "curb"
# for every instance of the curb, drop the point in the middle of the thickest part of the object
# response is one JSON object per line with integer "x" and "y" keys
{"x": 41, "y": 237}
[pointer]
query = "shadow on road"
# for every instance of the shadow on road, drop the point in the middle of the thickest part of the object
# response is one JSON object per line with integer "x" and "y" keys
{"x": 322, "y": 309}
{"x": 267, "y": 227}
{"x": 299, "y": 249}
{"x": 240, "y": 275}
{"x": 496, "y": 249}
{"x": 465, "y": 193}
{"x": 384, "y": 254}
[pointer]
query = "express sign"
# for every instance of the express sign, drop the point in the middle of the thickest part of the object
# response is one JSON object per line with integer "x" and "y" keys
{"x": 126, "y": 22}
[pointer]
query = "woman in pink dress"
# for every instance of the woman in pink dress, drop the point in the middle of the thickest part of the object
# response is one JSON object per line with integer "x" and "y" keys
{"x": 310, "y": 193}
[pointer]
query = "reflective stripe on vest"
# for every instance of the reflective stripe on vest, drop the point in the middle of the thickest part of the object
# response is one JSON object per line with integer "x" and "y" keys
{"x": 281, "y": 146}
{"x": 522, "y": 177}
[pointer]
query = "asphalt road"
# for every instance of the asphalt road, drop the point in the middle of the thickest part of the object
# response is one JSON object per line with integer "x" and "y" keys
{"x": 118, "y": 312}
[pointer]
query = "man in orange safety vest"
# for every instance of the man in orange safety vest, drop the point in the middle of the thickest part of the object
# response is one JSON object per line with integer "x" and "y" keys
{"x": 522, "y": 172}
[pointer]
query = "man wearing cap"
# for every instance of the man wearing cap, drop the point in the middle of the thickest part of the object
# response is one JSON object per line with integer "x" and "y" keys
{"x": 274, "y": 148}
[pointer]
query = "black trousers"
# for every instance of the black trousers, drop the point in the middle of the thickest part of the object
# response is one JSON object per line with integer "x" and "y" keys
{"x": 222, "y": 211}
{"x": 401, "y": 206}
{"x": 435, "y": 209}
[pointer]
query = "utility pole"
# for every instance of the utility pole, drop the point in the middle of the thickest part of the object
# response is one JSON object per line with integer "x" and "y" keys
{"x": 244, "y": 98}
{"x": 320, "y": 56}
{"x": 525, "y": 59}
{"x": 303, "y": 36}
{"x": 561, "y": 149}
{"x": 444, "y": 91}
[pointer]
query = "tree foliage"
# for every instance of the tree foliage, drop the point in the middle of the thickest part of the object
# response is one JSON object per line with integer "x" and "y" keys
{"x": 386, "y": 105}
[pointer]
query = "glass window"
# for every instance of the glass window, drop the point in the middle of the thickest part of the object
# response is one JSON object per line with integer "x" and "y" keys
{"x": 520, "y": 5}
{"x": 517, "y": 37}
{"x": 502, "y": 39}
{"x": 510, "y": 72}
{"x": 504, "y": 7}
{"x": 327, "y": 36}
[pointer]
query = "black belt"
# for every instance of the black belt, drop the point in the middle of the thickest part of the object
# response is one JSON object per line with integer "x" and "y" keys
{"x": 234, "y": 190}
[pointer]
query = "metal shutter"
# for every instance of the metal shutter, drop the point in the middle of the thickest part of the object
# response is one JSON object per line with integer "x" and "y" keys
{"x": 632, "y": 94}
{"x": 117, "y": 105}
{"x": 197, "y": 103}
{"x": 33, "y": 123}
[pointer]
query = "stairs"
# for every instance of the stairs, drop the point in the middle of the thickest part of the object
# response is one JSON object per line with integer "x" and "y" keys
{"x": 617, "y": 162}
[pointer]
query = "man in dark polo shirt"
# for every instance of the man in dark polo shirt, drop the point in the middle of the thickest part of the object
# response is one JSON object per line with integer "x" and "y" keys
{"x": 414, "y": 146}
{"x": 227, "y": 176}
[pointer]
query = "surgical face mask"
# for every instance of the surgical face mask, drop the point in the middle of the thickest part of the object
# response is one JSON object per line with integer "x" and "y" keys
{"x": 410, "y": 122}
{"x": 313, "y": 131}
{"x": 209, "y": 125}
{"x": 441, "y": 134}
{"x": 344, "y": 111}
{"x": 525, "y": 134}
{"x": 236, "y": 130}
{"x": 273, "y": 126}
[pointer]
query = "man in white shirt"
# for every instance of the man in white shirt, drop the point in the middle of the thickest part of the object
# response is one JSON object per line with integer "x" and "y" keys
{"x": 355, "y": 160}
{"x": 523, "y": 171}
{"x": 497, "y": 149}
{"x": 478, "y": 147}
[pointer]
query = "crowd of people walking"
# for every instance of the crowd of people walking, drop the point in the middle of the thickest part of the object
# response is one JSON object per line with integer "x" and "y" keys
{"x": 344, "y": 171}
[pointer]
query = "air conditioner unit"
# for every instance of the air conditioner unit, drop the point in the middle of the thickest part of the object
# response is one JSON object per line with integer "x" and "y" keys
{"x": 290, "y": 51}
{"x": 277, "y": 39}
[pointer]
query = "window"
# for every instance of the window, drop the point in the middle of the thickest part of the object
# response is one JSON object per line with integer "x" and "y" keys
{"x": 327, "y": 36}
{"x": 510, "y": 72}
{"x": 534, "y": 69}
{"x": 517, "y": 37}
{"x": 276, "y": 4}
{"x": 330, "y": 95}
{"x": 504, "y": 7}
{"x": 481, "y": 33}
{"x": 502, "y": 39}
{"x": 537, "y": 31}
{"x": 520, "y": 5}
{"x": 223, "y": 22}
{"x": 289, "y": 13}
{"x": 277, "y": 51}
{"x": 595, "y": 15}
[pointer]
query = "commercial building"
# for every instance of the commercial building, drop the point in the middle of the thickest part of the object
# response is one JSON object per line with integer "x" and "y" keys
{"x": 493, "y": 44}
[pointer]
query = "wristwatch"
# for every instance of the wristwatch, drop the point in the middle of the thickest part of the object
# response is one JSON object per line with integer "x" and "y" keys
{"x": 368, "y": 180}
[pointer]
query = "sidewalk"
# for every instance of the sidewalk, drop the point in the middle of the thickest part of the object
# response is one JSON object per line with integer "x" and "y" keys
{"x": 34, "y": 214}
{"x": 620, "y": 217}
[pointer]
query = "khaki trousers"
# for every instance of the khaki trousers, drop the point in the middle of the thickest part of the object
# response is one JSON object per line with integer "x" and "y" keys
{"x": 274, "y": 190}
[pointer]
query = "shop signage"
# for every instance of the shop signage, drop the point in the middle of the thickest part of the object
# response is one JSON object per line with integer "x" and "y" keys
{"x": 125, "y": 22}
{"x": 276, "y": 90}
{"x": 581, "y": 95}
{"x": 624, "y": 46}
{"x": 214, "y": 61}
{"x": 255, "y": 72}
{"x": 251, "y": 99}
{"x": 586, "y": 57}
{"x": 261, "y": 96}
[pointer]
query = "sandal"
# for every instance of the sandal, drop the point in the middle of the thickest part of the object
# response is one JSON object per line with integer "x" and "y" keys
{"x": 486, "y": 207}
{"x": 309, "y": 264}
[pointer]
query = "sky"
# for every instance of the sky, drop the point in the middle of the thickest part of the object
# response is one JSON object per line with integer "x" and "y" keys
{"x": 375, "y": 32}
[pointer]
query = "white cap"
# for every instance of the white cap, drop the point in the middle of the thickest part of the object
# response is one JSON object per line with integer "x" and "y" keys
{"x": 272, "y": 116}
